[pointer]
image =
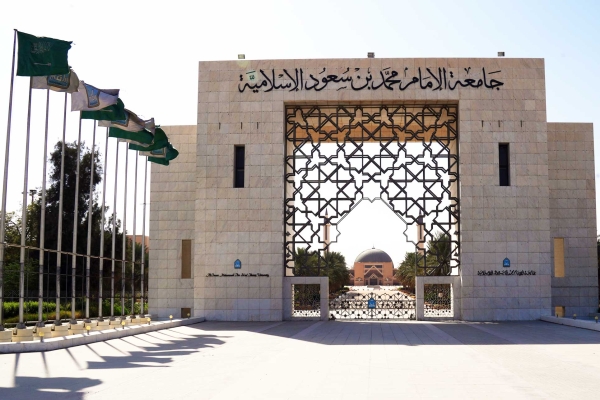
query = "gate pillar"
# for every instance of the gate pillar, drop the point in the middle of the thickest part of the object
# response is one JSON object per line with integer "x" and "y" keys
{"x": 288, "y": 296}
{"x": 438, "y": 297}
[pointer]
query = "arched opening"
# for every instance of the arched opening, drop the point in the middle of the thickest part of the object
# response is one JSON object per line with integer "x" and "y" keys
{"x": 338, "y": 156}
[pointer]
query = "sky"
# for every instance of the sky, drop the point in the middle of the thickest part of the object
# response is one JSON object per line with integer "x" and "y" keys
{"x": 150, "y": 51}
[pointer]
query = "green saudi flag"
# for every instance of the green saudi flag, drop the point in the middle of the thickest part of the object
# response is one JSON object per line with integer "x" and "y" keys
{"x": 141, "y": 137}
{"x": 114, "y": 112}
{"x": 160, "y": 161}
{"x": 160, "y": 141}
{"x": 42, "y": 56}
{"x": 163, "y": 155}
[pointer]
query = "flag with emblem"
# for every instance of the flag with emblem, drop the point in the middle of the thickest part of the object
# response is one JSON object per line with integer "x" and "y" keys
{"x": 161, "y": 156}
{"x": 131, "y": 123}
{"x": 59, "y": 83}
{"x": 113, "y": 112}
{"x": 140, "y": 137}
{"x": 90, "y": 98}
{"x": 42, "y": 56}
{"x": 160, "y": 140}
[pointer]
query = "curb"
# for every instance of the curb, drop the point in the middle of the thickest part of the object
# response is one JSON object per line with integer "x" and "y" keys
{"x": 591, "y": 325}
{"x": 93, "y": 337}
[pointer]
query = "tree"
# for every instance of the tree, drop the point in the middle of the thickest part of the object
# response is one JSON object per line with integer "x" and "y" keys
{"x": 333, "y": 265}
{"x": 52, "y": 216}
{"x": 439, "y": 257}
{"x": 12, "y": 264}
{"x": 439, "y": 254}
{"x": 407, "y": 269}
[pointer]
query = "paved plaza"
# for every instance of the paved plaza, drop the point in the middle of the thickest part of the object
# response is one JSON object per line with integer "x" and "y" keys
{"x": 318, "y": 360}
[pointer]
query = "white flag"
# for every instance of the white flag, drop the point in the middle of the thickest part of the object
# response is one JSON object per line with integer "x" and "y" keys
{"x": 90, "y": 98}
{"x": 59, "y": 83}
{"x": 131, "y": 123}
{"x": 149, "y": 125}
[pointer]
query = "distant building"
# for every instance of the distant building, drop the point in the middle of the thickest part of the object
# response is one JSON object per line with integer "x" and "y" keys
{"x": 138, "y": 240}
{"x": 373, "y": 267}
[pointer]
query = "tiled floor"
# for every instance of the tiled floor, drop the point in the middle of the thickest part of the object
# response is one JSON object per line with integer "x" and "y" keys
{"x": 318, "y": 360}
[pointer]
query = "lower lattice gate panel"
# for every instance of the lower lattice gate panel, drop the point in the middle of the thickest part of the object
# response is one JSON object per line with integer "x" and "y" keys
{"x": 372, "y": 306}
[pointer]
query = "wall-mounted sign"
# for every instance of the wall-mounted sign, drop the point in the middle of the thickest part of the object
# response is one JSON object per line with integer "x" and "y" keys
{"x": 505, "y": 272}
{"x": 371, "y": 303}
{"x": 363, "y": 79}
{"x": 506, "y": 263}
{"x": 237, "y": 264}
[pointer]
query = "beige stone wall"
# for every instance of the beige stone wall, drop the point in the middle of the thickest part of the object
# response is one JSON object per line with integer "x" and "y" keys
{"x": 573, "y": 211}
{"x": 496, "y": 221}
{"x": 194, "y": 198}
{"x": 510, "y": 221}
{"x": 172, "y": 205}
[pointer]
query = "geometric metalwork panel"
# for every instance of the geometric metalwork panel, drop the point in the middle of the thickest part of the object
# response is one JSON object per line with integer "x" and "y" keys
{"x": 438, "y": 300}
{"x": 404, "y": 155}
{"x": 306, "y": 300}
{"x": 394, "y": 305}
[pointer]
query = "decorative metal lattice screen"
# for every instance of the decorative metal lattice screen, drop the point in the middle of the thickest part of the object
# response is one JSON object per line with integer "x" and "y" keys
{"x": 407, "y": 156}
{"x": 306, "y": 301}
{"x": 391, "y": 305}
{"x": 438, "y": 300}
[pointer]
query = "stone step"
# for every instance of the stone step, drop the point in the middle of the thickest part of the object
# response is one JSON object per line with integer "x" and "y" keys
{"x": 76, "y": 329}
{"x": 60, "y": 330}
{"x": 102, "y": 325}
{"x": 6, "y": 335}
{"x": 46, "y": 329}
{"x": 22, "y": 332}
{"x": 22, "y": 335}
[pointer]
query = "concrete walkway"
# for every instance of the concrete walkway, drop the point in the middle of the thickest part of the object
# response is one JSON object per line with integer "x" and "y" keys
{"x": 318, "y": 360}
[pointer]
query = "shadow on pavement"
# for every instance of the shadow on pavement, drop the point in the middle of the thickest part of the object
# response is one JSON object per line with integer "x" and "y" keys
{"x": 28, "y": 387}
{"x": 157, "y": 349}
{"x": 432, "y": 333}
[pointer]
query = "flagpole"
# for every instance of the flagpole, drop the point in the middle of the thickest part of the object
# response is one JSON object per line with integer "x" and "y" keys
{"x": 75, "y": 225}
{"x": 124, "y": 254}
{"x": 101, "y": 261}
{"x": 89, "y": 233}
{"x": 5, "y": 184}
{"x": 57, "y": 320}
{"x": 21, "y": 324}
{"x": 144, "y": 236}
{"x": 114, "y": 233}
{"x": 40, "y": 322}
{"x": 133, "y": 242}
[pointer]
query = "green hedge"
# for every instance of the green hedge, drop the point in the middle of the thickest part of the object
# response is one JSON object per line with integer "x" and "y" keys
{"x": 11, "y": 309}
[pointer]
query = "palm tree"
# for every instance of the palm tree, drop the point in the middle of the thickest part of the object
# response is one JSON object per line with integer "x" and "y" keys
{"x": 439, "y": 255}
{"x": 406, "y": 271}
{"x": 333, "y": 265}
{"x": 304, "y": 262}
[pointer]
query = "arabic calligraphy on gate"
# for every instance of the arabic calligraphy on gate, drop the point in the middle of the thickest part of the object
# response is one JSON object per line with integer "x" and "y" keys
{"x": 365, "y": 79}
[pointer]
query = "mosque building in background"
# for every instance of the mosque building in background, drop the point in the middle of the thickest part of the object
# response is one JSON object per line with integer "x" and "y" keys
{"x": 373, "y": 267}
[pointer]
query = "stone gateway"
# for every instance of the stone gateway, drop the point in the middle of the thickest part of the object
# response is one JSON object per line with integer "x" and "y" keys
{"x": 465, "y": 157}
